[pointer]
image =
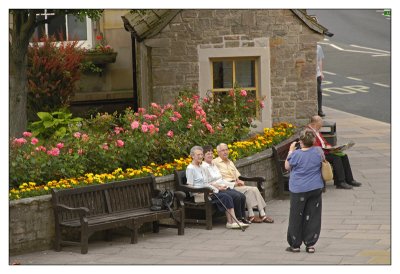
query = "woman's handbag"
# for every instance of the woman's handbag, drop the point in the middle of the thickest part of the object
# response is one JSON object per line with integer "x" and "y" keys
{"x": 326, "y": 170}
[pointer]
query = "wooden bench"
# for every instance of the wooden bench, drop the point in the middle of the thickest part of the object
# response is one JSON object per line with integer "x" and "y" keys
{"x": 207, "y": 208}
{"x": 280, "y": 152}
{"x": 111, "y": 205}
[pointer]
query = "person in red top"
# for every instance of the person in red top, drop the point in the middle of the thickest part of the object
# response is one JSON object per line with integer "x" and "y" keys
{"x": 342, "y": 175}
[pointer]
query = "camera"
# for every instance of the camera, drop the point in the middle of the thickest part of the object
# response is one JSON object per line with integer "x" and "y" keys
{"x": 297, "y": 145}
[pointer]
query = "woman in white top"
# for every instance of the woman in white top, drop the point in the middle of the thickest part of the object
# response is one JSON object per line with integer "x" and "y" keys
{"x": 197, "y": 176}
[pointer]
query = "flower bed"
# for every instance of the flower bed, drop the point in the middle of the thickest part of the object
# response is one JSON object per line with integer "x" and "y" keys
{"x": 238, "y": 150}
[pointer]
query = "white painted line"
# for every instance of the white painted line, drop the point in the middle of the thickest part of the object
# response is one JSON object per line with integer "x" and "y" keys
{"x": 382, "y": 85}
{"x": 336, "y": 47}
{"x": 330, "y": 73}
{"x": 353, "y": 78}
{"x": 383, "y": 51}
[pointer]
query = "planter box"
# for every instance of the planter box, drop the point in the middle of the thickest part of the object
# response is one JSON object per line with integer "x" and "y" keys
{"x": 31, "y": 223}
{"x": 100, "y": 58}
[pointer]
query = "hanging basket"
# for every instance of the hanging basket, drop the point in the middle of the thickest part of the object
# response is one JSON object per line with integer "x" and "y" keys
{"x": 100, "y": 58}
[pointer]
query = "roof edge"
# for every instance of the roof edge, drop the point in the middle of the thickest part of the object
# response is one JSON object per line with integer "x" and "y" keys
{"x": 311, "y": 22}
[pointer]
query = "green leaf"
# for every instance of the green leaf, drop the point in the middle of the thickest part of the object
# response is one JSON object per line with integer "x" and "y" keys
{"x": 48, "y": 124}
{"x": 61, "y": 132}
{"x": 44, "y": 116}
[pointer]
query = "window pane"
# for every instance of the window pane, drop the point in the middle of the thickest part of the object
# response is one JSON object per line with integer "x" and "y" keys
{"x": 76, "y": 28}
{"x": 57, "y": 27}
{"x": 40, "y": 30}
{"x": 222, "y": 74}
{"x": 245, "y": 73}
{"x": 251, "y": 95}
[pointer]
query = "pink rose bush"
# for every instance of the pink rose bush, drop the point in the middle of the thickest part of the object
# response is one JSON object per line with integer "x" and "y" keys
{"x": 158, "y": 134}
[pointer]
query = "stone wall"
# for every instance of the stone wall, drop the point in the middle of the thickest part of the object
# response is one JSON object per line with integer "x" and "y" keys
{"x": 174, "y": 55}
{"x": 31, "y": 224}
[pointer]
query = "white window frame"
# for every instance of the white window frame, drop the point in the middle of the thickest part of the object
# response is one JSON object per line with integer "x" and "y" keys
{"x": 88, "y": 43}
{"x": 206, "y": 57}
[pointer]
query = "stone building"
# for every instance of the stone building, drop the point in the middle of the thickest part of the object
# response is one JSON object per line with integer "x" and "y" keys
{"x": 269, "y": 52}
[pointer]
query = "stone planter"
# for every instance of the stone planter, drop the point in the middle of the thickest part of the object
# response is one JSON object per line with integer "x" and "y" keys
{"x": 31, "y": 223}
{"x": 100, "y": 58}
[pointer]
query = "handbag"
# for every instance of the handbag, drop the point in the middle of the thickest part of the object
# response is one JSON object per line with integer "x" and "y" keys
{"x": 326, "y": 171}
{"x": 164, "y": 200}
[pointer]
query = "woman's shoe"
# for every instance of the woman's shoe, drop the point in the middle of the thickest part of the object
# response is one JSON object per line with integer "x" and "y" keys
{"x": 293, "y": 249}
{"x": 310, "y": 249}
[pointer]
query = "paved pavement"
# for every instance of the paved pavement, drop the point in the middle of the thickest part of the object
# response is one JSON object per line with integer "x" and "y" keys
{"x": 356, "y": 224}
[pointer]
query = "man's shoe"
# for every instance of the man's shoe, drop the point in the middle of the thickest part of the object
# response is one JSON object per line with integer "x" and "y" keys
{"x": 343, "y": 185}
{"x": 354, "y": 183}
{"x": 321, "y": 114}
{"x": 244, "y": 225}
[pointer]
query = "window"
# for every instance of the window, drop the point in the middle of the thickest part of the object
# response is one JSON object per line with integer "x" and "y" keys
{"x": 69, "y": 26}
{"x": 230, "y": 73}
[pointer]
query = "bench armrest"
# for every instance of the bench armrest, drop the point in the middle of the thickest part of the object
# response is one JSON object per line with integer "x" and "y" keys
{"x": 190, "y": 188}
{"x": 82, "y": 212}
{"x": 259, "y": 180}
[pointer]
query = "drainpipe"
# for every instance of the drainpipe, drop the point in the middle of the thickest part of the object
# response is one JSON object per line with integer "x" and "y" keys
{"x": 134, "y": 76}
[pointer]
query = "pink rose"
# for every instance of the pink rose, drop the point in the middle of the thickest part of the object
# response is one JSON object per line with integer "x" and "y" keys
{"x": 54, "y": 152}
{"x": 243, "y": 92}
{"x": 120, "y": 143}
{"x": 135, "y": 125}
{"x": 262, "y": 104}
{"x": 177, "y": 115}
{"x": 40, "y": 148}
{"x": 19, "y": 141}
{"x": 77, "y": 135}
{"x": 145, "y": 127}
{"x": 27, "y": 134}
{"x": 60, "y": 145}
{"x": 210, "y": 128}
{"x": 189, "y": 125}
{"x": 85, "y": 137}
{"x": 170, "y": 134}
{"x": 105, "y": 147}
{"x": 34, "y": 141}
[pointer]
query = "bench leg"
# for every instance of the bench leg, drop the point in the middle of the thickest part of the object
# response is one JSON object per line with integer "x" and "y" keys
{"x": 156, "y": 226}
{"x": 84, "y": 240}
{"x": 108, "y": 235}
{"x": 208, "y": 218}
{"x": 135, "y": 233}
{"x": 57, "y": 242}
{"x": 181, "y": 224}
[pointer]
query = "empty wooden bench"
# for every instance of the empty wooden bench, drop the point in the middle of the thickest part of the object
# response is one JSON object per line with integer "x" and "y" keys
{"x": 111, "y": 205}
{"x": 207, "y": 208}
{"x": 280, "y": 152}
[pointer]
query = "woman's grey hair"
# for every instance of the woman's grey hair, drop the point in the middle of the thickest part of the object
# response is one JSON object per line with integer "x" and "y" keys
{"x": 193, "y": 149}
{"x": 307, "y": 136}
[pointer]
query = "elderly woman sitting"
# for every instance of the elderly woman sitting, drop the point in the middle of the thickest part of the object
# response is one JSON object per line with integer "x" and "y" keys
{"x": 197, "y": 176}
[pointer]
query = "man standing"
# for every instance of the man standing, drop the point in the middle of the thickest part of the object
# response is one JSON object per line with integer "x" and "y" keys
{"x": 320, "y": 77}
